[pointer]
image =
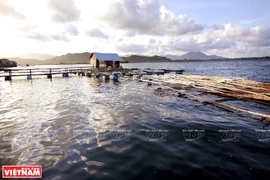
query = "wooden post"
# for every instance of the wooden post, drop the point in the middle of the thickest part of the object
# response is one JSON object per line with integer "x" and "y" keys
{"x": 49, "y": 76}
{"x": 29, "y": 77}
{"x": 8, "y": 78}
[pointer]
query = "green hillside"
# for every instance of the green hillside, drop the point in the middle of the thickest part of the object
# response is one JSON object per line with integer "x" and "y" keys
{"x": 137, "y": 58}
{"x": 77, "y": 58}
{"x": 83, "y": 58}
{"x": 23, "y": 62}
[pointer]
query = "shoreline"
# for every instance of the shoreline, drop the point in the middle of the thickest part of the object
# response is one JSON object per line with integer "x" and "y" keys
{"x": 173, "y": 61}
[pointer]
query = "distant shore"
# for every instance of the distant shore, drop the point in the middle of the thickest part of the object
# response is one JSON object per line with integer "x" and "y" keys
{"x": 201, "y": 60}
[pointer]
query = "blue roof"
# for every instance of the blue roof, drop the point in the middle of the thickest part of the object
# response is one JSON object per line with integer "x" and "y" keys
{"x": 107, "y": 56}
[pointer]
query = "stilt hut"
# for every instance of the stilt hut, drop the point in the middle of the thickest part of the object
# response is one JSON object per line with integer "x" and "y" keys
{"x": 109, "y": 60}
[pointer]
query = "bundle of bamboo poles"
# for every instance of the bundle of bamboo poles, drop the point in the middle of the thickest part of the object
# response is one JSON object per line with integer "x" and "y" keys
{"x": 233, "y": 88}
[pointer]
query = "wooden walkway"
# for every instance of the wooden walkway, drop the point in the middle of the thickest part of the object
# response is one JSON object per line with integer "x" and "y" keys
{"x": 48, "y": 72}
{"x": 8, "y": 73}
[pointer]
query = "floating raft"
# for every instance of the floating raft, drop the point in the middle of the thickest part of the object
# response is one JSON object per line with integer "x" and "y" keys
{"x": 230, "y": 88}
{"x": 88, "y": 71}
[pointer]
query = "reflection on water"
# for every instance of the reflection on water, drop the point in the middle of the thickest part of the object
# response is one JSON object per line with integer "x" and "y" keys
{"x": 89, "y": 128}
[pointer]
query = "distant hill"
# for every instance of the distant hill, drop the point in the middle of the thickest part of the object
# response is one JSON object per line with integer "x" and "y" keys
{"x": 194, "y": 56}
{"x": 39, "y": 56}
{"x": 83, "y": 58}
{"x": 23, "y": 62}
{"x": 172, "y": 57}
{"x": 76, "y": 58}
{"x": 137, "y": 58}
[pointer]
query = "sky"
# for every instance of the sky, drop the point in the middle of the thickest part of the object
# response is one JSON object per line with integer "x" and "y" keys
{"x": 229, "y": 28}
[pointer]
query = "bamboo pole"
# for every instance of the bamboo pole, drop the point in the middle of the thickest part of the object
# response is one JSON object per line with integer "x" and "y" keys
{"x": 213, "y": 85}
{"x": 263, "y": 116}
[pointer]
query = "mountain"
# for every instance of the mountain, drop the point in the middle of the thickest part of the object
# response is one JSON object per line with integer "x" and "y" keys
{"x": 39, "y": 56}
{"x": 76, "y": 58}
{"x": 83, "y": 58}
{"x": 194, "y": 56}
{"x": 137, "y": 58}
{"x": 173, "y": 57}
{"x": 23, "y": 62}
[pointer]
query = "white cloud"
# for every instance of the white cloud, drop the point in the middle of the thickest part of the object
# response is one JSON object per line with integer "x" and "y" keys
{"x": 72, "y": 30}
{"x": 124, "y": 26}
{"x": 151, "y": 41}
{"x": 7, "y": 10}
{"x": 144, "y": 17}
{"x": 96, "y": 32}
{"x": 256, "y": 36}
{"x": 132, "y": 48}
{"x": 64, "y": 11}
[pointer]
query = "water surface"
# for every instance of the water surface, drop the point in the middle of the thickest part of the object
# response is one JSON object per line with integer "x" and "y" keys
{"x": 83, "y": 128}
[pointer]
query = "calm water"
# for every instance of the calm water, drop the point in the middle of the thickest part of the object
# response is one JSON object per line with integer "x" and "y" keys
{"x": 82, "y": 128}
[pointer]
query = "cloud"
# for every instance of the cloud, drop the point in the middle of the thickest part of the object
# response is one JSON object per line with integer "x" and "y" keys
{"x": 64, "y": 11}
{"x": 96, "y": 32}
{"x": 132, "y": 48}
{"x": 8, "y": 10}
{"x": 256, "y": 36}
{"x": 72, "y": 30}
{"x": 151, "y": 41}
{"x": 171, "y": 25}
{"x": 217, "y": 27}
{"x": 58, "y": 36}
{"x": 203, "y": 42}
{"x": 145, "y": 17}
{"x": 130, "y": 34}
{"x": 38, "y": 36}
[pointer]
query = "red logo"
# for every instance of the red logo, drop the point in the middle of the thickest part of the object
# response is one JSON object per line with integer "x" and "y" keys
{"x": 22, "y": 172}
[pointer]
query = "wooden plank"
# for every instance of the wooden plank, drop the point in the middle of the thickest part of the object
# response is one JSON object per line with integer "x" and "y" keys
{"x": 225, "y": 105}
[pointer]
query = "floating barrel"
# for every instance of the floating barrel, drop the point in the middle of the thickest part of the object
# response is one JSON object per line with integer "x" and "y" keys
{"x": 88, "y": 74}
{"x": 149, "y": 82}
{"x": 65, "y": 75}
{"x": 115, "y": 77}
{"x": 81, "y": 74}
{"x": 49, "y": 76}
{"x": 29, "y": 77}
{"x": 106, "y": 77}
{"x": 7, "y": 78}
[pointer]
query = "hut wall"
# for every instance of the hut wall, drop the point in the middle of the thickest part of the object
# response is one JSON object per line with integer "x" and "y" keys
{"x": 117, "y": 64}
{"x": 93, "y": 61}
{"x": 109, "y": 63}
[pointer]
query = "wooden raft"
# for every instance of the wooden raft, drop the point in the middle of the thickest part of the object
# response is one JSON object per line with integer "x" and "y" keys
{"x": 232, "y": 88}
